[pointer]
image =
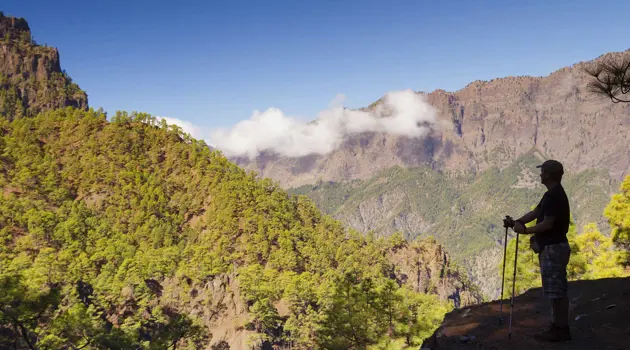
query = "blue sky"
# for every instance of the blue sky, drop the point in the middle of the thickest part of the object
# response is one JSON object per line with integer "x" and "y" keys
{"x": 213, "y": 62}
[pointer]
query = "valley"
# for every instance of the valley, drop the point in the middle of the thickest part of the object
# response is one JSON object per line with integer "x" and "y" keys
{"x": 462, "y": 211}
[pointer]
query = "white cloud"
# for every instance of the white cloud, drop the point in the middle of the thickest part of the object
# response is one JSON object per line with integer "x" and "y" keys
{"x": 403, "y": 113}
{"x": 195, "y": 131}
{"x": 337, "y": 101}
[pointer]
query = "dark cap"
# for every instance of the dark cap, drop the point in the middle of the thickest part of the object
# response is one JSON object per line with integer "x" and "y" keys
{"x": 552, "y": 166}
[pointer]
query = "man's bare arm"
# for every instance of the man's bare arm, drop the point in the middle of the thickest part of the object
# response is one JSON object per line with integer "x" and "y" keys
{"x": 545, "y": 225}
{"x": 529, "y": 216}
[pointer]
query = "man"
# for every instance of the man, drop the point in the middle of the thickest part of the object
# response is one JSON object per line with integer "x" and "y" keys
{"x": 549, "y": 240}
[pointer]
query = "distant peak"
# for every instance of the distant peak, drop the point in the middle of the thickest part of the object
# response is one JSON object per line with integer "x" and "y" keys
{"x": 13, "y": 27}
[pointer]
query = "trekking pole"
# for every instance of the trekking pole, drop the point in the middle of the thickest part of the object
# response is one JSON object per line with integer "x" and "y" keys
{"x": 503, "y": 275}
{"x": 513, "y": 285}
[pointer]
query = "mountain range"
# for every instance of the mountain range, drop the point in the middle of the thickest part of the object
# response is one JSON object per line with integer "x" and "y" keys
{"x": 476, "y": 166}
{"x": 490, "y": 124}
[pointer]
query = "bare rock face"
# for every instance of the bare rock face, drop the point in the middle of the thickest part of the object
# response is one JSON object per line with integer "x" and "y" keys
{"x": 217, "y": 301}
{"x": 31, "y": 78}
{"x": 13, "y": 28}
{"x": 427, "y": 268}
{"x": 555, "y": 114}
{"x": 488, "y": 123}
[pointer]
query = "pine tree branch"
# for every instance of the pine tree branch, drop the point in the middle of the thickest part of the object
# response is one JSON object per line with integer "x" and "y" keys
{"x": 610, "y": 79}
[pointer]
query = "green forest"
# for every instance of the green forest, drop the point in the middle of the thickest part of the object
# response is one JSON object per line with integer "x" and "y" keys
{"x": 110, "y": 228}
{"x": 465, "y": 207}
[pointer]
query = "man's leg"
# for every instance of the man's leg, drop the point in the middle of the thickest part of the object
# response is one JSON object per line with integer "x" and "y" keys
{"x": 561, "y": 305}
{"x": 552, "y": 313}
{"x": 553, "y": 262}
{"x": 561, "y": 312}
{"x": 541, "y": 263}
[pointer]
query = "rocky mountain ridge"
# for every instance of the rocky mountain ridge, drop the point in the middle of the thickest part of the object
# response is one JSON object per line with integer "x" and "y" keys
{"x": 487, "y": 123}
{"x": 31, "y": 78}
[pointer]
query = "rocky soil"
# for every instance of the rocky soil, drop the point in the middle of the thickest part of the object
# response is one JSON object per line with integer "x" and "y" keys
{"x": 598, "y": 320}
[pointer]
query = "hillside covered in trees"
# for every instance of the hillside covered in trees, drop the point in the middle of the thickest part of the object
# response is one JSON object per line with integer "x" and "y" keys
{"x": 112, "y": 230}
{"x": 131, "y": 233}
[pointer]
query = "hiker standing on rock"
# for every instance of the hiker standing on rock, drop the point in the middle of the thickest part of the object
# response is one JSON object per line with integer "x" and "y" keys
{"x": 549, "y": 240}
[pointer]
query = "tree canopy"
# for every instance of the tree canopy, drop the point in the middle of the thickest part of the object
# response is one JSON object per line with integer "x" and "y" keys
{"x": 111, "y": 230}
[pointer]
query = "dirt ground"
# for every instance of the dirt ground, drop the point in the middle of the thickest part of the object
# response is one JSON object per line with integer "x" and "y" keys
{"x": 599, "y": 319}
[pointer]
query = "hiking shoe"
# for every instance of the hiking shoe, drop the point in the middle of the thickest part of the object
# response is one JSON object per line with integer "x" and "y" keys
{"x": 554, "y": 334}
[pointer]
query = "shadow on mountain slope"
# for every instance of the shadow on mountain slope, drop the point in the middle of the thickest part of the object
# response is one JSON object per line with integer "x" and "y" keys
{"x": 598, "y": 316}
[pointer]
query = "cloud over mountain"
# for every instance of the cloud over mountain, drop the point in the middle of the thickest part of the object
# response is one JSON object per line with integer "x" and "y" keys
{"x": 403, "y": 113}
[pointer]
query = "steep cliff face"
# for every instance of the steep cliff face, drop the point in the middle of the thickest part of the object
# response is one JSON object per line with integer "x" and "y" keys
{"x": 427, "y": 268}
{"x": 219, "y": 304}
{"x": 489, "y": 123}
{"x": 555, "y": 114}
{"x": 31, "y": 78}
{"x": 358, "y": 157}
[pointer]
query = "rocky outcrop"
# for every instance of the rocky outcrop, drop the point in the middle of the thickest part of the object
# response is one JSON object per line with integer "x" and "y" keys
{"x": 13, "y": 28}
{"x": 427, "y": 268}
{"x": 31, "y": 78}
{"x": 218, "y": 303}
{"x": 486, "y": 123}
{"x": 597, "y": 317}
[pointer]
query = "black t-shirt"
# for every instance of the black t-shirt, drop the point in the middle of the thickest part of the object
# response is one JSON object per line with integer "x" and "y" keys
{"x": 554, "y": 203}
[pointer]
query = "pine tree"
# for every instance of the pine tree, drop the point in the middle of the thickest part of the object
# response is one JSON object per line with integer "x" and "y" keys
{"x": 618, "y": 214}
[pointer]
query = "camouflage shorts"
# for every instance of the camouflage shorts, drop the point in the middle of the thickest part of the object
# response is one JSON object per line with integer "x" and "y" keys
{"x": 553, "y": 269}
